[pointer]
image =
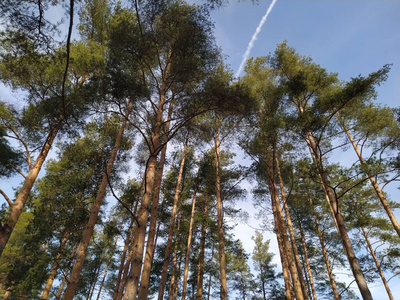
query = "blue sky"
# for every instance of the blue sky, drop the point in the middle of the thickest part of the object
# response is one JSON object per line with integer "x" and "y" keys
{"x": 346, "y": 37}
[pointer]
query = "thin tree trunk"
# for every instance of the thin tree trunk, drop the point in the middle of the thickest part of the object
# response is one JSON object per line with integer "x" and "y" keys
{"x": 56, "y": 265}
{"x": 290, "y": 227}
{"x": 168, "y": 247}
{"x": 103, "y": 280}
{"x": 107, "y": 267}
{"x": 189, "y": 244}
{"x": 308, "y": 266}
{"x": 130, "y": 251}
{"x": 61, "y": 288}
{"x": 377, "y": 264}
{"x": 65, "y": 276}
{"x": 200, "y": 273}
{"x": 18, "y": 205}
{"x": 148, "y": 259}
{"x": 178, "y": 278}
{"x": 281, "y": 225}
{"x": 210, "y": 277}
{"x": 92, "y": 286}
{"x": 126, "y": 273}
{"x": 221, "y": 242}
{"x": 287, "y": 248}
{"x": 371, "y": 178}
{"x": 94, "y": 211}
{"x": 139, "y": 234}
{"x": 325, "y": 254}
{"x": 282, "y": 253}
{"x": 333, "y": 202}
{"x": 174, "y": 261}
{"x": 123, "y": 257}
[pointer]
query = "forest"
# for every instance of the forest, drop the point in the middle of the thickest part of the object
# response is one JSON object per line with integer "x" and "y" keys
{"x": 126, "y": 140}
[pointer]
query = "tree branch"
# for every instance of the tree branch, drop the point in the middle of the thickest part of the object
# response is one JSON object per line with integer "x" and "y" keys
{"x": 6, "y": 197}
{"x": 120, "y": 201}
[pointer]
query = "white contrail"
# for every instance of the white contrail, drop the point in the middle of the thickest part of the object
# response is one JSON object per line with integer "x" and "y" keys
{"x": 254, "y": 37}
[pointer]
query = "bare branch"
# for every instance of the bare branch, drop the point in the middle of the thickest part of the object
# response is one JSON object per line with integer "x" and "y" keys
{"x": 120, "y": 201}
{"x": 71, "y": 24}
{"x": 6, "y": 197}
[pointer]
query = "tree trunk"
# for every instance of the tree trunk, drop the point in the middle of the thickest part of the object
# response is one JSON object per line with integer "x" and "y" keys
{"x": 325, "y": 254}
{"x": 200, "y": 273}
{"x": 107, "y": 267}
{"x": 333, "y": 202}
{"x": 53, "y": 273}
{"x": 127, "y": 264}
{"x": 174, "y": 261}
{"x": 123, "y": 257}
{"x": 150, "y": 248}
{"x": 139, "y": 234}
{"x": 371, "y": 178}
{"x": 308, "y": 266}
{"x": 125, "y": 274}
{"x": 377, "y": 264}
{"x": 221, "y": 242}
{"x": 168, "y": 247}
{"x": 290, "y": 227}
{"x": 210, "y": 277}
{"x": 189, "y": 244}
{"x": 92, "y": 286}
{"x": 282, "y": 253}
{"x": 65, "y": 275}
{"x": 16, "y": 209}
{"x": 280, "y": 225}
{"x": 178, "y": 278}
{"x": 94, "y": 211}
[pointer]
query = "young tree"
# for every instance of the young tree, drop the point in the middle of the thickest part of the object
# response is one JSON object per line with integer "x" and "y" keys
{"x": 262, "y": 259}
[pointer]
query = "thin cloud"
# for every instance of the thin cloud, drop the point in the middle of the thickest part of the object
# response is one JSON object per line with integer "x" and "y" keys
{"x": 254, "y": 37}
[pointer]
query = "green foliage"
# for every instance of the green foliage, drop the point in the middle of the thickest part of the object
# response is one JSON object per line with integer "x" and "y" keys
{"x": 9, "y": 157}
{"x": 24, "y": 262}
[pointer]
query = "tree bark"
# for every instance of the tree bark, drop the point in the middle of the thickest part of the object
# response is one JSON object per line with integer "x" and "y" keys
{"x": 92, "y": 286}
{"x": 325, "y": 254}
{"x": 53, "y": 273}
{"x": 178, "y": 278}
{"x": 123, "y": 257}
{"x": 377, "y": 264}
{"x": 210, "y": 277}
{"x": 130, "y": 251}
{"x": 65, "y": 275}
{"x": 282, "y": 253}
{"x": 189, "y": 244}
{"x": 221, "y": 242}
{"x": 200, "y": 273}
{"x": 280, "y": 226}
{"x": 174, "y": 262}
{"x": 16, "y": 209}
{"x": 168, "y": 247}
{"x": 139, "y": 234}
{"x": 290, "y": 228}
{"x": 125, "y": 274}
{"x": 94, "y": 211}
{"x": 308, "y": 266}
{"x": 107, "y": 267}
{"x": 150, "y": 248}
{"x": 333, "y": 202}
